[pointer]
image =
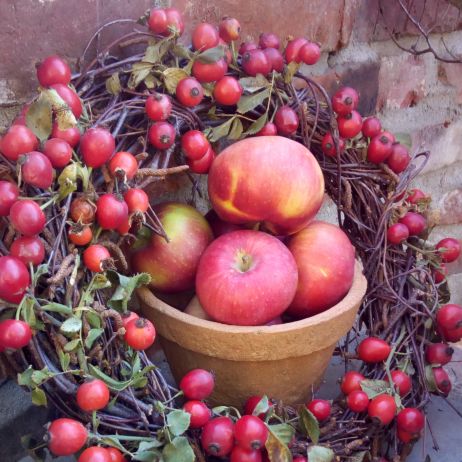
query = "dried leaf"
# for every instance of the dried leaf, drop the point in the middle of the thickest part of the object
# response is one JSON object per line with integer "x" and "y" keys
{"x": 151, "y": 82}
{"x": 290, "y": 70}
{"x": 236, "y": 129}
{"x": 39, "y": 117}
{"x": 373, "y": 388}
{"x": 257, "y": 125}
{"x": 139, "y": 72}
{"x": 64, "y": 116}
{"x": 212, "y": 55}
{"x": 320, "y": 454}
{"x": 276, "y": 448}
{"x": 155, "y": 52}
{"x": 181, "y": 51}
{"x": 363, "y": 456}
{"x": 172, "y": 76}
{"x": 253, "y": 84}
{"x": 249, "y": 102}
{"x": 113, "y": 84}
{"x": 309, "y": 424}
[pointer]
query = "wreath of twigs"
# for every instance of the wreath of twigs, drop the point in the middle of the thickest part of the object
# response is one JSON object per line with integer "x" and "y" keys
{"x": 399, "y": 306}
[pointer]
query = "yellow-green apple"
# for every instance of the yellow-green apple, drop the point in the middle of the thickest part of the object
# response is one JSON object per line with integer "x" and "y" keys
{"x": 268, "y": 179}
{"x": 173, "y": 264}
{"x": 246, "y": 278}
{"x": 325, "y": 259}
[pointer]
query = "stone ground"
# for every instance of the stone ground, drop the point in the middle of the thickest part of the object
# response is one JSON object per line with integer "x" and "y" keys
{"x": 20, "y": 417}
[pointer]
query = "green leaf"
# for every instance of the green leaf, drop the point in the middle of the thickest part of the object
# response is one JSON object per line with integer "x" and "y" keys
{"x": 100, "y": 281}
{"x": 39, "y": 398}
{"x": 39, "y": 272}
{"x": 172, "y": 77}
{"x": 276, "y": 447}
{"x": 181, "y": 51}
{"x": 72, "y": 345}
{"x": 139, "y": 72}
{"x": 290, "y": 70}
{"x": 212, "y": 55}
{"x": 63, "y": 114}
{"x": 109, "y": 381}
{"x": 236, "y": 129}
{"x": 374, "y": 388}
{"x": 253, "y": 84}
{"x": 57, "y": 308}
{"x": 67, "y": 181}
{"x": 178, "y": 421}
{"x": 155, "y": 52}
{"x": 39, "y": 117}
{"x": 93, "y": 319}
{"x": 309, "y": 424}
{"x": 283, "y": 431}
{"x": 221, "y": 131}
{"x": 64, "y": 359}
{"x": 28, "y": 312}
{"x": 249, "y": 102}
{"x": 262, "y": 406}
{"x": 38, "y": 377}
{"x": 25, "y": 378}
{"x": 93, "y": 334}
{"x": 257, "y": 125}
{"x": 113, "y": 84}
{"x": 320, "y": 454}
{"x": 125, "y": 288}
{"x": 147, "y": 451}
{"x": 178, "y": 450}
{"x": 71, "y": 325}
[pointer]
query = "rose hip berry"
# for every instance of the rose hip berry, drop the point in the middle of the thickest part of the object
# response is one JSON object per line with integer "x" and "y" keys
{"x": 399, "y": 159}
{"x": 95, "y": 256}
{"x": 158, "y": 107}
{"x": 97, "y": 146}
{"x": 349, "y": 125}
{"x": 111, "y": 211}
{"x": 27, "y": 217}
{"x": 410, "y": 420}
{"x": 415, "y": 223}
{"x": 292, "y": 51}
{"x": 58, "y": 151}
{"x": 345, "y": 100}
{"x": 9, "y": 194}
{"x": 71, "y": 135}
{"x": 124, "y": 164}
{"x": 197, "y": 384}
{"x": 250, "y": 432}
{"x": 449, "y": 249}
{"x": 269, "y": 40}
{"x": 194, "y": 144}
{"x": 320, "y": 408}
{"x": 80, "y": 236}
{"x": 247, "y": 46}
{"x": 217, "y": 437}
{"x": 227, "y": 91}
{"x": 95, "y": 454}
{"x": 328, "y": 145}
{"x": 286, "y": 121}
{"x": 373, "y": 350}
{"x": 438, "y": 353}
{"x": 18, "y": 140}
{"x": 202, "y": 165}
{"x": 382, "y": 408}
{"x": 92, "y": 395}
{"x": 379, "y": 149}
{"x": 116, "y": 455}
{"x": 255, "y": 62}
{"x": 371, "y": 127}
{"x": 137, "y": 200}
{"x": 82, "y": 211}
{"x": 351, "y": 381}
{"x": 140, "y": 334}
{"x": 310, "y": 53}
{"x": 36, "y": 170}
{"x": 442, "y": 381}
{"x": 128, "y": 316}
{"x": 14, "y": 334}
{"x": 269, "y": 129}
{"x": 52, "y": 70}
{"x": 70, "y": 97}
{"x": 209, "y": 72}
{"x": 29, "y": 249}
{"x": 204, "y": 36}
{"x": 251, "y": 404}
{"x": 157, "y": 21}
{"x": 275, "y": 58}
{"x": 189, "y": 92}
{"x": 357, "y": 401}
{"x": 415, "y": 195}
{"x": 449, "y": 322}
{"x": 397, "y": 233}
{"x": 401, "y": 381}
{"x": 66, "y": 437}
{"x": 239, "y": 454}
{"x": 440, "y": 273}
{"x": 229, "y": 29}
{"x": 200, "y": 413}
{"x": 161, "y": 135}
{"x": 174, "y": 22}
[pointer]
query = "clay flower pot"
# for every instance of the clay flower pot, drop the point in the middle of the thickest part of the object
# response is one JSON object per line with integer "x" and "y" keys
{"x": 284, "y": 361}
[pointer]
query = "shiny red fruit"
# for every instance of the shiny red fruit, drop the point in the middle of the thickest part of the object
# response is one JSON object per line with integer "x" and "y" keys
{"x": 397, "y": 233}
{"x": 275, "y": 58}
{"x": 349, "y": 125}
{"x": 197, "y": 384}
{"x": 111, "y": 211}
{"x": 140, "y": 334}
{"x": 250, "y": 433}
{"x": 371, "y": 127}
{"x": 438, "y": 353}
{"x": 158, "y": 107}
{"x": 137, "y": 200}
{"x": 227, "y": 91}
{"x": 189, "y": 92}
{"x": 251, "y": 404}
{"x": 382, "y": 409}
{"x": 58, "y": 151}
{"x": 442, "y": 381}
{"x": 269, "y": 129}
{"x": 217, "y": 437}
{"x": 373, "y": 350}
{"x": 204, "y": 36}
{"x": 404, "y": 437}
{"x": 255, "y": 62}
{"x": 300, "y": 459}
{"x": 116, "y": 455}
{"x": 239, "y": 454}
{"x": 157, "y": 21}
{"x": 415, "y": 223}
{"x": 199, "y": 412}
{"x": 128, "y": 316}
{"x": 292, "y": 51}
{"x": 92, "y": 395}
{"x": 440, "y": 274}
{"x": 123, "y": 163}
{"x": 399, "y": 159}
{"x": 410, "y": 420}
{"x": 161, "y": 135}
{"x": 9, "y": 193}
{"x": 70, "y": 97}
{"x": 27, "y": 217}
{"x": 28, "y": 250}
{"x": 95, "y": 256}
{"x": 351, "y": 381}
{"x": 174, "y": 22}
{"x": 328, "y": 145}
{"x": 194, "y": 144}
{"x": 449, "y": 249}
{"x": 269, "y": 40}
{"x": 286, "y": 121}
{"x": 320, "y": 408}
{"x": 66, "y": 437}
{"x": 247, "y": 46}
{"x": 209, "y": 72}
{"x": 82, "y": 211}
{"x": 357, "y": 401}
{"x": 415, "y": 195}
{"x": 228, "y": 54}
{"x": 310, "y": 53}
{"x": 229, "y": 29}
{"x": 95, "y": 454}
{"x": 345, "y": 100}
{"x": 449, "y": 316}
{"x": 52, "y": 70}
{"x": 18, "y": 140}
{"x": 401, "y": 381}
{"x": 14, "y": 334}
{"x": 202, "y": 165}
{"x": 36, "y": 170}
{"x": 81, "y": 237}
{"x": 71, "y": 135}
{"x": 97, "y": 146}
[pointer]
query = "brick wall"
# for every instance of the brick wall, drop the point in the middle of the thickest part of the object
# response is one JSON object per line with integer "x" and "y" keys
{"x": 419, "y": 95}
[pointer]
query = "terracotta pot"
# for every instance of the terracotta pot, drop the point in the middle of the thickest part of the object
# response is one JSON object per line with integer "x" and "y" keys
{"x": 285, "y": 361}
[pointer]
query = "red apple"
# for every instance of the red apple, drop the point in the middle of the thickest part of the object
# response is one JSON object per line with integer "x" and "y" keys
{"x": 326, "y": 259}
{"x": 246, "y": 278}
{"x": 219, "y": 226}
{"x": 269, "y": 179}
{"x": 172, "y": 265}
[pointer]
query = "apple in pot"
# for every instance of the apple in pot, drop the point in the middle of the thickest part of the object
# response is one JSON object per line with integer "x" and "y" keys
{"x": 172, "y": 265}
{"x": 325, "y": 259}
{"x": 267, "y": 179}
{"x": 246, "y": 278}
